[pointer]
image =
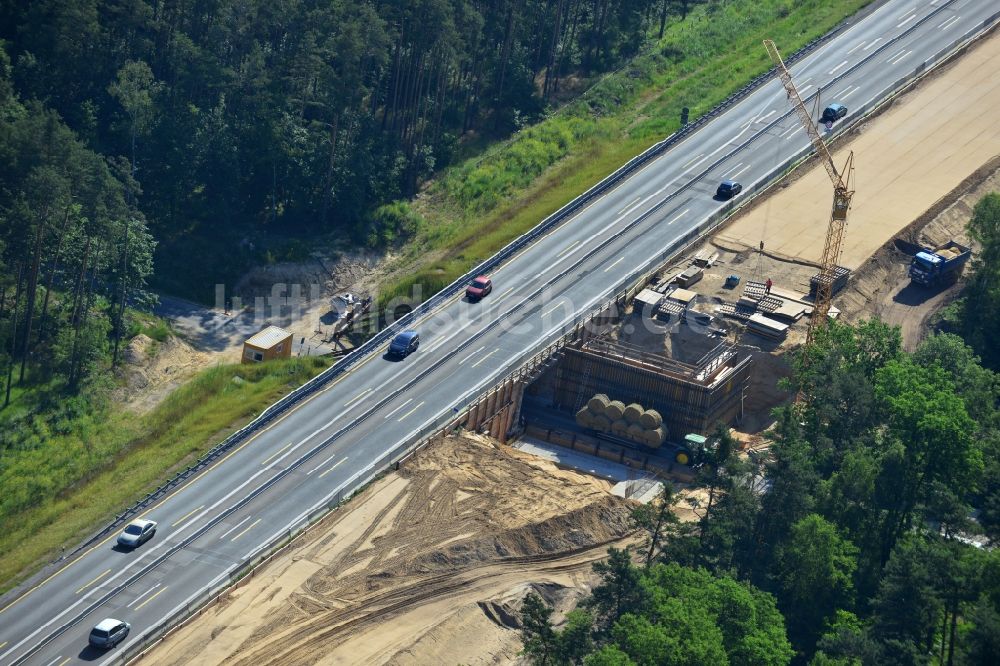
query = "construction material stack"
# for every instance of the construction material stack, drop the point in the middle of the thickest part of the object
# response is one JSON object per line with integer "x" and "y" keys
{"x": 632, "y": 422}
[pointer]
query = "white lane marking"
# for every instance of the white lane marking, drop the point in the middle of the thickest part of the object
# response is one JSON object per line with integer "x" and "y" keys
{"x": 860, "y": 45}
{"x": 129, "y": 604}
{"x": 485, "y": 357}
{"x": 472, "y": 354}
{"x": 333, "y": 467}
{"x": 901, "y": 58}
{"x": 837, "y": 68}
{"x": 162, "y": 590}
{"x": 276, "y": 453}
{"x": 874, "y": 42}
{"x": 848, "y": 94}
{"x": 614, "y": 264}
{"x": 950, "y": 22}
{"x": 803, "y": 89}
{"x": 249, "y": 527}
{"x": 690, "y": 163}
{"x": 551, "y": 310}
{"x": 409, "y": 413}
{"x": 408, "y": 401}
{"x": 906, "y": 21}
{"x": 789, "y": 130}
{"x": 691, "y": 166}
{"x": 53, "y": 662}
{"x": 843, "y": 91}
{"x": 895, "y": 54}
{"x": 726, "y": 175}
{"x": 360, "y": 396}
{"x": 569, "y": 247}
{"x": 741, "y": 171}
{"x": 628, "y": 204}
{"x": 236, "y": 526}
{"x": 758, "y": 119}
{"x": 678, "y": 216}
{"x": 328, "y": 459}
{"x": 150, "y": 553}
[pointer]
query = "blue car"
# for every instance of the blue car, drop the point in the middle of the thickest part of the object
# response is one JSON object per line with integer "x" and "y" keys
{"x": 404, "y": 344}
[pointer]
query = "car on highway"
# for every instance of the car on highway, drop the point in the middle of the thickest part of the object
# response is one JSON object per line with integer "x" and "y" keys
{"x": 404, "y": 344}
{"x": 136, "y": 533}
{"x": 480, "y": 287}
{"x": 833, "y": 113}
{"x": 728, "y": 189}
{"x": 109, "y": 633}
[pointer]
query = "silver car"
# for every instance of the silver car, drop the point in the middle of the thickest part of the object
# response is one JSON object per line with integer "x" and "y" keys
{"x": 109, "y": 633}
{"x": 136, "y": 533}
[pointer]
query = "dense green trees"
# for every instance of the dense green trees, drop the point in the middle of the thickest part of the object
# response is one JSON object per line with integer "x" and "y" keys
{"x": 73, "y": 246}
{"x": 662, "y": 615}
{"x": 980, "y": 306}
{"x": 857, "y": 522}
{"x": 246, "y": 118}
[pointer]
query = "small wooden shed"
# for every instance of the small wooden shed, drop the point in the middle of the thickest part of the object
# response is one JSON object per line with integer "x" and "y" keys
{"x": 268, "y": 344}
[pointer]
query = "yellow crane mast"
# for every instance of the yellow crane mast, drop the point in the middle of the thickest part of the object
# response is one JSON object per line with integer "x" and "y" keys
{"x": 842, "y": 194}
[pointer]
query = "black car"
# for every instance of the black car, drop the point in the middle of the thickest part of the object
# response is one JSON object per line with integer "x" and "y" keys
{"x": 404, "y": 344}
{"x": 833, "y": 113}
{"x": 728, "y": 189}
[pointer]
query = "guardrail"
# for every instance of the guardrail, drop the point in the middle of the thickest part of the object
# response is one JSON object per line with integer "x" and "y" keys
{"x": 487, "y": 266}
{"x": 615, "y": 297}
{"x": 636, "y": 279}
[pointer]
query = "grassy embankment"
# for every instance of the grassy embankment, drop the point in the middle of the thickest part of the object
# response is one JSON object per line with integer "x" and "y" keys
{"x": 80, "y": 464}
{"x": 477, "y": 207}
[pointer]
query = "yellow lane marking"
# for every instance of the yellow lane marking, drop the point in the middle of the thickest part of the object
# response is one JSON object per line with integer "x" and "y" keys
{"x": 333, "y": 467}
{"x": 99, "y": 577}
{"x": 187, "y": 515}
{"x": 65, "y": 661}
{"x": 506, "y": 292}
{"x": 243, "y": 532}
{"x": 152, "y": 597}
{"x": 275, "y": 454}
{"x": 4, "y": 643}
{"x": 411, "y": 411}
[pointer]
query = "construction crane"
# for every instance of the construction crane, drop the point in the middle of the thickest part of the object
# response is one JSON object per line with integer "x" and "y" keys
{"x": 842, "y": 193}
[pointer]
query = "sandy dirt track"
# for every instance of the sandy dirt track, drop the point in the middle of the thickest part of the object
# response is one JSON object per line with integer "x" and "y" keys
{"x": 427, "y": 565}
{"x": 906, "y": 159}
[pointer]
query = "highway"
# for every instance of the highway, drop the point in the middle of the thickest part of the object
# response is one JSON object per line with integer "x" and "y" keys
{"x": 304, "y": 460}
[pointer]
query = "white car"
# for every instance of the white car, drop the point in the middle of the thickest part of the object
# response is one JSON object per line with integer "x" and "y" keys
{"x": 109, "y": 633}
{"x": 136, "y": 533}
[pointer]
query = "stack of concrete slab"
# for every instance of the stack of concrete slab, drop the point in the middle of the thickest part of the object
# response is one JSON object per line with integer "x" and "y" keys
{"x": 767, "y": 327}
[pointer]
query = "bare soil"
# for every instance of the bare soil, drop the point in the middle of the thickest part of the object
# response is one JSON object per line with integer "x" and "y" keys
{"x": 918, "y": 149}
{"x": 153, "y": 369}
{"x": 427, "y": 565}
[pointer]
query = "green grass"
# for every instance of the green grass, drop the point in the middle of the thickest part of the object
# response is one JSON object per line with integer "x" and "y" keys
{"x": 477, "y": 207}
{"x": 66, "y": 479}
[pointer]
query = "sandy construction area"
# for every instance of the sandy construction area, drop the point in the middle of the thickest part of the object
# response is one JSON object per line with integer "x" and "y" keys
{"x": 906, "y": 159}
{"x": 427, "y": 566}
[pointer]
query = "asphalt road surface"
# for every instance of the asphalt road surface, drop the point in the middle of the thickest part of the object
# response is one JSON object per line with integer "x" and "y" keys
{"x": 299, "y": 463}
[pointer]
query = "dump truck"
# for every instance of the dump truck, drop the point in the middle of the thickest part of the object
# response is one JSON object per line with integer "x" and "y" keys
{"x": 940, "y": 265}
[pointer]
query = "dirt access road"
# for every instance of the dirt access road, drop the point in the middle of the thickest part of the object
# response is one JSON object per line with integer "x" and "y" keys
{"x": 427, "y": 565}
{"x": 908, "y": 157}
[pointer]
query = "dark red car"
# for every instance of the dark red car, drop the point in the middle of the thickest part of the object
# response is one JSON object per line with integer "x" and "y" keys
{"x": 480, "y": 287}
